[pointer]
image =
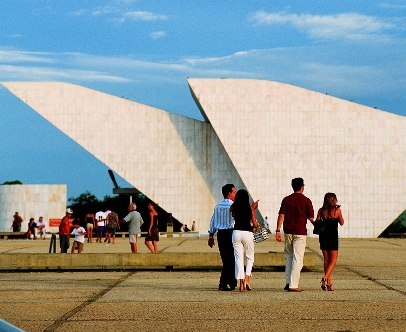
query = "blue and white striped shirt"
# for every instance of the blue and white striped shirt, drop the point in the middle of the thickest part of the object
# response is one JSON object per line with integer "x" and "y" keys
{"x": 222, "y": 218}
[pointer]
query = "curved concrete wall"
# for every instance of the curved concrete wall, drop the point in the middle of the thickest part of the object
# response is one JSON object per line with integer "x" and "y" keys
{"x": 259, "y": 135}
{"x": 176, "y": 161}
{"x": 31, "y": 201}
{"x": 274, "y": 132}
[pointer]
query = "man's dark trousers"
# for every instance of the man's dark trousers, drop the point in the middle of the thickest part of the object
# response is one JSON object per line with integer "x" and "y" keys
{"x": 225, "y": 243}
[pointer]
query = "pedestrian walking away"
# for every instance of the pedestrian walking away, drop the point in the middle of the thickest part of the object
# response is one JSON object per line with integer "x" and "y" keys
{"x": 222, "y": 223}
{"x": 294, "y": 212}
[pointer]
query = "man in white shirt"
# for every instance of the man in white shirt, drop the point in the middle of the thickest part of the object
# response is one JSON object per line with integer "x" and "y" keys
{"x": 222, "y": 222}
{"x": 101, "y": 223}
{"x": 42, "y": 232}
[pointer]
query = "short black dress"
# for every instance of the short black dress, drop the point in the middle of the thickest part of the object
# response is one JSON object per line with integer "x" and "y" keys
{"x": 329, "y": 238}
{"x": 154, "y": 231}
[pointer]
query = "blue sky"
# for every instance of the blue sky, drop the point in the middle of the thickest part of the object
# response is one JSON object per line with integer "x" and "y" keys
{"x": 145, "y": 50}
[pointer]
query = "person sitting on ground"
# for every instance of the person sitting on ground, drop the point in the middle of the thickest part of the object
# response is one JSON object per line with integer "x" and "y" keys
{"x": 32, "y": 226}
{"x": 42, "y": 232}
{"x": 79, "y": 233}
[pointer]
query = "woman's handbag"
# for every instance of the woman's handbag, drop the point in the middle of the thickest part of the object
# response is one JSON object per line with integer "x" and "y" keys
{"x": 319, "y": 226}
{"x": 261, "y": 234}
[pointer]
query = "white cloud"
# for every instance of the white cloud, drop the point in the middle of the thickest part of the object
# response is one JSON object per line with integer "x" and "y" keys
{"x": 142, "y": 16}
{"x": 24, "y": 73}
{"x": 391, "y": 6}
{"x": 211, "y": 60}
{"x": 347, "y": 25}
{"x": 13, "y": 56}
{"x": 157, "y": 34}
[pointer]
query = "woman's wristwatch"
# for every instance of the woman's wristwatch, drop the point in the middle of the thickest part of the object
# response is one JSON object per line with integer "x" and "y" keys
{"x": 277, "y": 231}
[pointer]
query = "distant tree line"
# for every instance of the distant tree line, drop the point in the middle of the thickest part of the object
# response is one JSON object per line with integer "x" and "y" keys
{"x": 13, "y": 182}
{"x": 88, "y": 203}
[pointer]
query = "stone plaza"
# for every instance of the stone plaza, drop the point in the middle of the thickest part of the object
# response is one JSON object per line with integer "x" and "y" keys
{"x": 369, "y": 282}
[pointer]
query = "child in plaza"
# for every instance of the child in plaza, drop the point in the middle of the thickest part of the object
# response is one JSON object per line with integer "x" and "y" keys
{"x": 79, "y": 233}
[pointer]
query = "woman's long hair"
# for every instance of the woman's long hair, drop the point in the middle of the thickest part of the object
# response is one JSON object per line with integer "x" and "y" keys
{"x": 241, "y": 205}
{"x": 329, "y": 205}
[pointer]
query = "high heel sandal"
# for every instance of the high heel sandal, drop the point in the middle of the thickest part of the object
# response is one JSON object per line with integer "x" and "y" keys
{"x": 323, "y": 283}
{"x": 242, "y": 286}
{"x": 330, "y": 287}
{"x": 247, "y": 286}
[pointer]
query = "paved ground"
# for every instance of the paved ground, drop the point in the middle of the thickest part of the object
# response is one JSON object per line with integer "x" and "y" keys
{"x": 370, "y": 282}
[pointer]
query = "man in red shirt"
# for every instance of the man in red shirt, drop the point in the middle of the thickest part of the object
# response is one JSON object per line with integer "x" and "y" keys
{"x": 64, "y": 231}
{"x": 294, "y": 212}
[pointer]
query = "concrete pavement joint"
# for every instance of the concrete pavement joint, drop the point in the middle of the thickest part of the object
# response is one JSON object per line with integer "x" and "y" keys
{"x": 374, "y": 280}
{"x": 61, "y": 320}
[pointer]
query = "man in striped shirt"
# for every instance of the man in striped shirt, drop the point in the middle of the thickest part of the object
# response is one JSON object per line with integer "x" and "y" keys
{"x": 223, "y": 222}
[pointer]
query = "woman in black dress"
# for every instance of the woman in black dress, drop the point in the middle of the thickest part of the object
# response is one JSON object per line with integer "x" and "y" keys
{"x": 328, "y": 239}
{"x": 153, "y": 230}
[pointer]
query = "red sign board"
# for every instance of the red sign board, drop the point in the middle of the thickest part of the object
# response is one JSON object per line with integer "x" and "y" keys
{"x": 56, "y": 222}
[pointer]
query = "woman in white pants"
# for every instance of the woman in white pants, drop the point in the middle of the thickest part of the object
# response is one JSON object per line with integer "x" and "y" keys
{"x": 243, "y": 237}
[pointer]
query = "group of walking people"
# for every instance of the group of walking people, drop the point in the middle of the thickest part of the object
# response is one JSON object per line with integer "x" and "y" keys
{"x": 234, "y": 221}
{"x": 108, "y": 222}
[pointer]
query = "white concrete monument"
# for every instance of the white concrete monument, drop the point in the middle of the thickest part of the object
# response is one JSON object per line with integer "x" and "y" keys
{"x": 258, "y": 135}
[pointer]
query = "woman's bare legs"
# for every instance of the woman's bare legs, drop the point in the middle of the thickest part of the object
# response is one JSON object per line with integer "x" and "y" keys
{"x": 330, "y": 261}
{"x": 155, "y": 246}
{"x": 90, "y": 234}
{"x": 149, "y": 246}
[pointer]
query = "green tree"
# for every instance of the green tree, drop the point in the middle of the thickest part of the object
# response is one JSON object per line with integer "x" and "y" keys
{"x": 13, "y": 182}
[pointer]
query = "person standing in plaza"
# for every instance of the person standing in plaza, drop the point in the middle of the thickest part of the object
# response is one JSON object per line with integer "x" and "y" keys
{"x": 41, "y": 228}
{"x": 106, "y": 228}
{"x": 90, "y": 225}
{"x": 222, "y": 222}
{"x": 17, "y": 222}
{"x": 79, "y": 233}
{"x": 101, "y": 223}
{"x": 331, "y": 214}
{"x": 64, "y": 231}
{"x": 112, "y": 226}
{"x": 153, "y": 229}
{"x": 266, "y": 223}
{"x": 135, "y": 222}
{"x": 243, "y": 237}
{"x": 293, "y": 214}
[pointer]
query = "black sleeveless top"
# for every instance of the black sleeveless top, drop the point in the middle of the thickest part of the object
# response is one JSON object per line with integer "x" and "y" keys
{"x": 155, "y": 222}
{"x": 243, "y": 221}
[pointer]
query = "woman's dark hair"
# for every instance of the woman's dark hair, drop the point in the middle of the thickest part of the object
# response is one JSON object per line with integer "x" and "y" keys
{"x": 241, "y": 205}
{"x": 329, "y": 205}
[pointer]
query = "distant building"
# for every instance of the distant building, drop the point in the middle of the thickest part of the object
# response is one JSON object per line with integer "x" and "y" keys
{"x": 32, "y": 201}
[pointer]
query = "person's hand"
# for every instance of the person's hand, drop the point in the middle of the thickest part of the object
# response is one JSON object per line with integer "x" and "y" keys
{"x": 278, "y": 236}
{"x": 210, "y": 242}
{"x": 255, "y": 205}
